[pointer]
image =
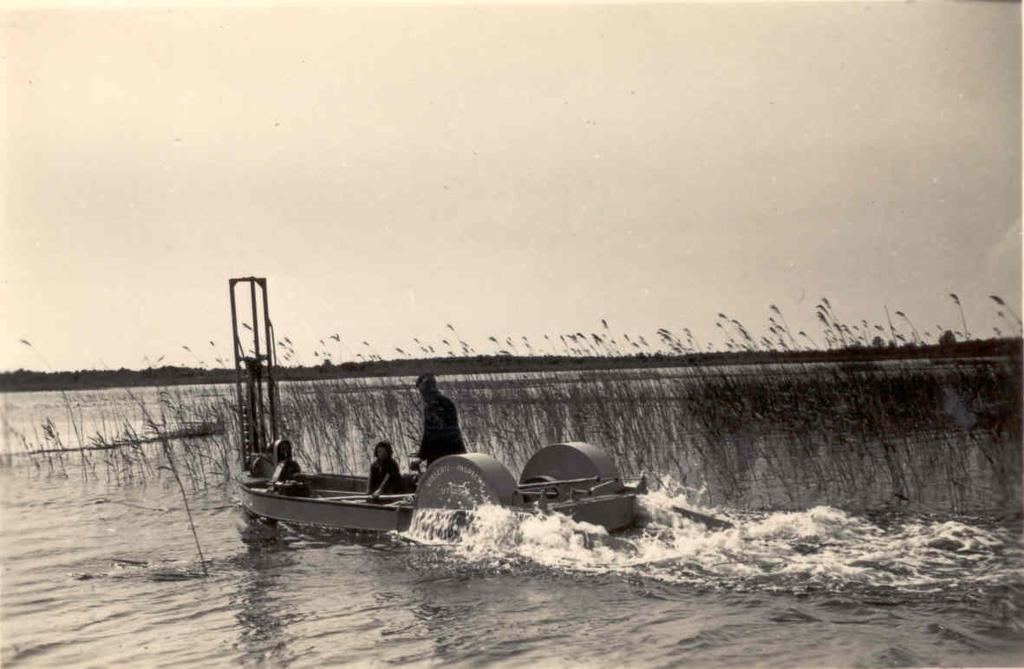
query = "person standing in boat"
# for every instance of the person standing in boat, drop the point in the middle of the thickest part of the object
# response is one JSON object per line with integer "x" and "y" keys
{"x": 441, "y": 433}
{"x": 385, "y": 478}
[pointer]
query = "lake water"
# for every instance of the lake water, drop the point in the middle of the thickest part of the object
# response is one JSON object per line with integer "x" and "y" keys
{"x": 100, "y": 574}
{"x": 96, "y": 575}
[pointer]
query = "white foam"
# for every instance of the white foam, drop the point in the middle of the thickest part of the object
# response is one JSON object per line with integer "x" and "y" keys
{"x": 822, "y": 546}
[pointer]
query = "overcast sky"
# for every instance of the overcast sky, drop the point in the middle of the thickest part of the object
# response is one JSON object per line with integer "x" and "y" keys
{"x": 509, "y": 170}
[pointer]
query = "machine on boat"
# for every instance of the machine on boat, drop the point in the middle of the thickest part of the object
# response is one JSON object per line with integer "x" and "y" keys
{"x": 575, "y": 479}
{"x": 456, "y": 483}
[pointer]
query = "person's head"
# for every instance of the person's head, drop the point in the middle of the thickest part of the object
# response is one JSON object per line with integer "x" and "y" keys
{"x": 427, "y": 385}
{"x": 282, "y": 450}
{"x": 382, "y": 450}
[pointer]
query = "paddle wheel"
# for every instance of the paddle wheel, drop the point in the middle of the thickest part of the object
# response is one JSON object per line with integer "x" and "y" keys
{"x": 461, "y": 482}
{"x": 573, "y": 478}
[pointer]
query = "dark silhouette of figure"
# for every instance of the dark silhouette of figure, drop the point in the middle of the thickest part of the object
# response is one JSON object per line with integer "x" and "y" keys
{"x": 286, "y": 469}
{"x": 385, "y": 478}
{"x": 441, "y": 433}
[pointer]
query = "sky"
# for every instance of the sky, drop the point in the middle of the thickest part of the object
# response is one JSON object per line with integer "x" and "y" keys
{"x": 510, "y": 170}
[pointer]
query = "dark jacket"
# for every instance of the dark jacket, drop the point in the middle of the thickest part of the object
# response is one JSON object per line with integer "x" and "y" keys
{"x": 441, "y": 434}
{"x": 389, "y": 468}
{"x": 286, "y": 470}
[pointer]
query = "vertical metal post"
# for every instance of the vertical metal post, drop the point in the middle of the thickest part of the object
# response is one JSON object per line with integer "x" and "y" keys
{"x": 270, "y": 346}
{"x": 261, "y": 426}
{"x": 243, "y": 450}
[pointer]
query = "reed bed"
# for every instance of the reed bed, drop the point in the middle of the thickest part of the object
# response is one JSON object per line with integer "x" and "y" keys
{"x": 899, "y": 434}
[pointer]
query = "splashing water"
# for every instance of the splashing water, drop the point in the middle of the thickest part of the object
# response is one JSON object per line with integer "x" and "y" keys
{"x": 822, "y": 549}
{"x": 816, "y": 588}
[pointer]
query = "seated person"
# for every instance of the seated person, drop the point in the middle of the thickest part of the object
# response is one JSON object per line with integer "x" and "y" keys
{"x": 287, "y": 469}
{"x": 385, "y": 478}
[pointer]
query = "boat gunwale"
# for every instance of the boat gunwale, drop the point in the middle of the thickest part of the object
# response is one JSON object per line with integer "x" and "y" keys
{"x": 270, "y": 495}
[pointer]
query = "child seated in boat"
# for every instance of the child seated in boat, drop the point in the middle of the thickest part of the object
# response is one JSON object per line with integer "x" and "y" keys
{"x": 385, "y": 478}
{"x": 287, "y": 469}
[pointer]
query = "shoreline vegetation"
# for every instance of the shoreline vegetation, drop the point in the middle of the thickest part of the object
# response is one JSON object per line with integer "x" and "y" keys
{"x": 917, "y": 429}
{"x": 860, "y": 416}
{"x": 28, "y": 380}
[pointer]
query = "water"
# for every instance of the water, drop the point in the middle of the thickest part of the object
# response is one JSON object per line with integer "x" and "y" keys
{"x": 80, "y": 415}
{"x": 97, "y": 572}
{"x": 99, "y": 575}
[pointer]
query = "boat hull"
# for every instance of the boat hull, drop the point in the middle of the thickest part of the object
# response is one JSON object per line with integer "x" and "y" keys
{"x": 612, "y": 512}
{"x": 315, "y": 511}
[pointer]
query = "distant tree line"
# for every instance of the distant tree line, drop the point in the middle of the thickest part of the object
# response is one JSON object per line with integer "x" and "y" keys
{"x": 27, "y": 380}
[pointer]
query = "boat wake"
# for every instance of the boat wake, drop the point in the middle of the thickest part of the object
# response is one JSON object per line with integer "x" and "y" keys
{"x": 822, "y": 549}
